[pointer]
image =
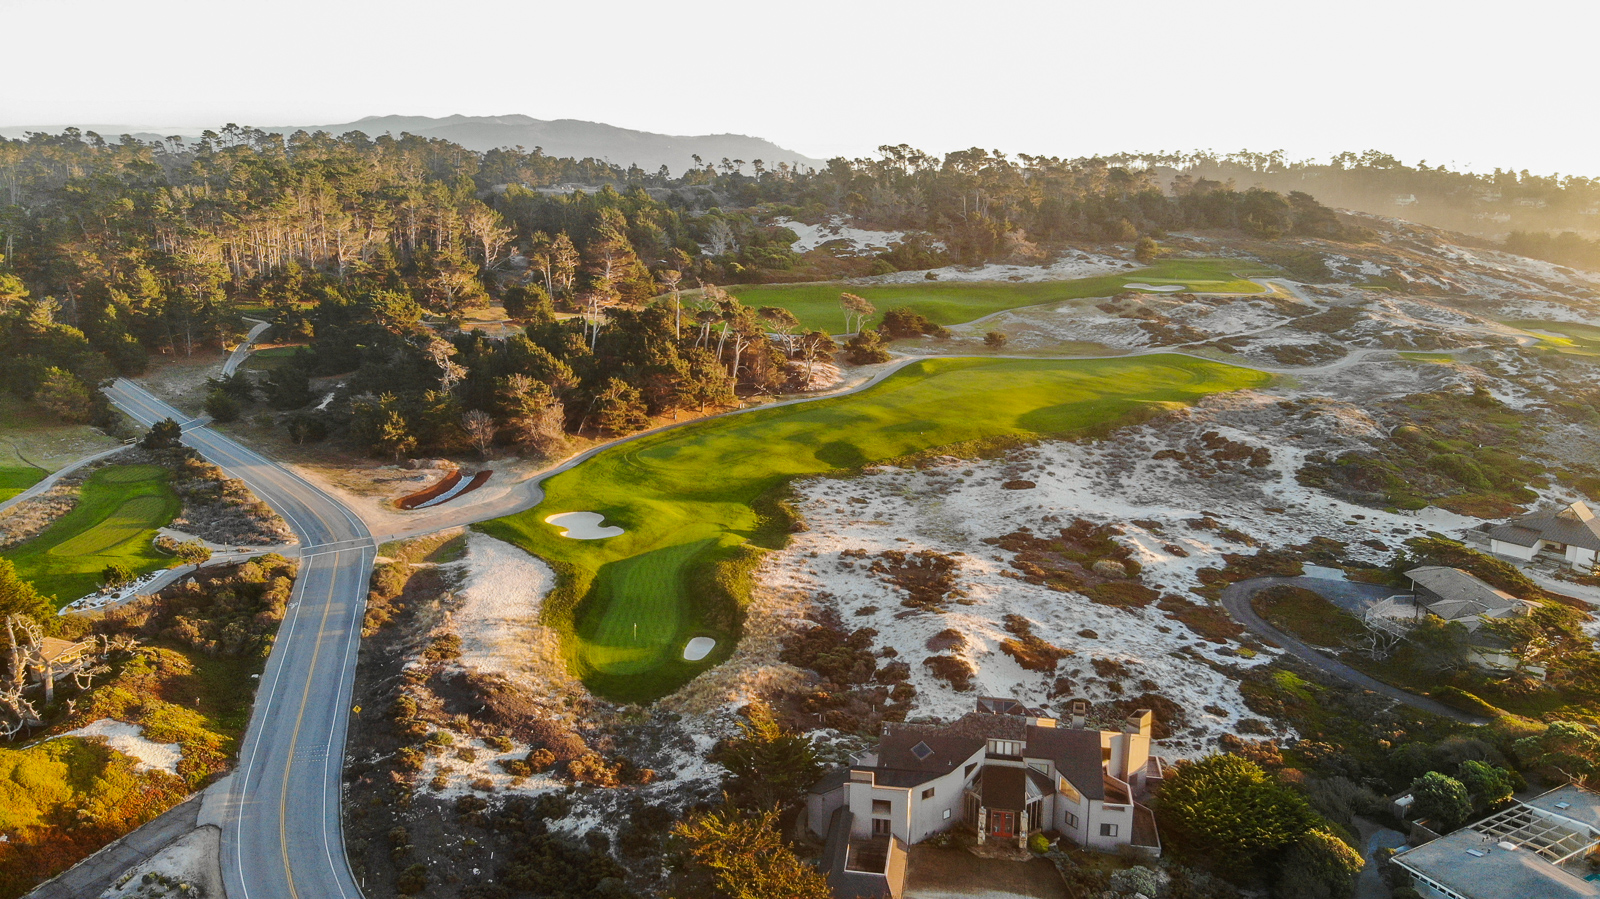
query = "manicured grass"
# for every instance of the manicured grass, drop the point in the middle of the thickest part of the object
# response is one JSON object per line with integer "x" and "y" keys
{"x": 689, "y": 498}
{"x": 15, "y": 479}
{"x": 1576, "y": 339}
{"x": 954, "y": 302}
{"x": 119, "y": 510}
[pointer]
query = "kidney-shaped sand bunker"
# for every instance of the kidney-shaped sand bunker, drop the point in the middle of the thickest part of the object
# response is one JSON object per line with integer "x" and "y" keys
{"x": 583, "y": 525}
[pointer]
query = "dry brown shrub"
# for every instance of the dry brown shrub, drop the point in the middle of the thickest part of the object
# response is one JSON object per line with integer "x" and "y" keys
{"x": 1031, "y": 651}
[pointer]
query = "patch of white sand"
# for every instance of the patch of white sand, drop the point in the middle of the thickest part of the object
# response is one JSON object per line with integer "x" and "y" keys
{"x": 953, "y": 507}
{"x": 1156, "y": 288}
{"x": 583, "y": 525}
{"x": 698, "y": 648}
{"x": 192, "y": 859}
{"x": 497, "y": 610}
{"x": 129, "y": 740}
{"x": 862, "y": 242}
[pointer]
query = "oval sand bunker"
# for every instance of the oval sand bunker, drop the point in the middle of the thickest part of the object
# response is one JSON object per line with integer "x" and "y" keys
{"x": 698, "y": 648}
{"x": 583, "y": 525}
{"x": 1158, "y": 288}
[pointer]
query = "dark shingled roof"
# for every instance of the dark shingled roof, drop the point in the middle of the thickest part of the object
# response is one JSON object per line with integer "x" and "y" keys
{"x": 1004, "y": 787}
{"x": 952, "y": 744}
{"x": 1575, "y": 525}
{"x": 1076, "y": 754}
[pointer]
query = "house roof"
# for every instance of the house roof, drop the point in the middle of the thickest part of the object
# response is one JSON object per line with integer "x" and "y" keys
{"x": 910, "y": 754}
{"x": 1004, "y": 787}
{"x": 1076, "y": 754}
{"x": 1455, "y": 587}
{"x": 53, "y": 649}
{"x": 1575, "y": 525}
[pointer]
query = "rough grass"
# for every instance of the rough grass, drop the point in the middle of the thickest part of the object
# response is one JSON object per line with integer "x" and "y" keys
{"x": 696, "y": 501}
{"x": 954, "y": 302}
{"x": 119, "y": 510}
{"x": 15, "y": 479}
{"x": 1304, "y": 614}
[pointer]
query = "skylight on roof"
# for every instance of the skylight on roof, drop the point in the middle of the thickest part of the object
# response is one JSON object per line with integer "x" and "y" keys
{"x": 922, "y": 751}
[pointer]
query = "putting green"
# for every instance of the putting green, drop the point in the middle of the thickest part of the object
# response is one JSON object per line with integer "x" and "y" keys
{"x": 119, "y": 510}
{"x": 687, "y": 498}
{"x": 954, "y": 302}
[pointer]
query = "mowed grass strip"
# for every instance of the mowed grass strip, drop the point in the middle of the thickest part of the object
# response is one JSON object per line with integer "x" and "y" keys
{"x": 1576, "y": 340}
{"x": 687, "y": 497}
{"x": 955, "y": 302}
{"x": 119, "y": 510}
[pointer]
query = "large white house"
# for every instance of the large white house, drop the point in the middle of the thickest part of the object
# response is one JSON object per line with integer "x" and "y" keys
{"x": 1004, "y": 771}
{"x": 1570, "y": 535}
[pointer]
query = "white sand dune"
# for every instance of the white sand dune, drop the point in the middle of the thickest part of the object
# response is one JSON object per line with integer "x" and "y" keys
{"x": 583, "y": 525}
{"x": 129, "y": 740}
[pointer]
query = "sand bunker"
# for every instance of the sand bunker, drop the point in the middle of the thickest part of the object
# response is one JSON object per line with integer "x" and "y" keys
{"x": 1158, "y": 288}
{"x": 583, "y": 526}
{"x": 699, "y": 648}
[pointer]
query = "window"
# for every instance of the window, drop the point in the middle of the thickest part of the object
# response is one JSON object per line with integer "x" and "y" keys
{"x": 880, "y": 806}
{"x": 1072, "y": 821}
{"x": 922, "y": 751}
{"x": 880, "y": 827}
{"x": 928, "y": 793}
{"x": 1041, "y": 767}
{"x": 1108, "y": 830}
{"x": 1105, "y": 753}
{"x": 1070, "y": 791}
{"x": 947, "y": 814}
{"x": 970, "y": 768}
{"x": 1005, "y": 747}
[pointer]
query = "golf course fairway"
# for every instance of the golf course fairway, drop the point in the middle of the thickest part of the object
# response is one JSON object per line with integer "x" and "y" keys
{"x": 119, "y": 510}
{"x": 697, "y": 503}
{"x": 816, "y": 305}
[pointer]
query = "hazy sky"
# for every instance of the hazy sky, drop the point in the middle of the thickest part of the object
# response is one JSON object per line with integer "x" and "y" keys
{"x": 1475, "y": 84}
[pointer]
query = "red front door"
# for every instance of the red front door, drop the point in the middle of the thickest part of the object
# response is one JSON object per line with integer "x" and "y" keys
{"x": 1003, "y": 824}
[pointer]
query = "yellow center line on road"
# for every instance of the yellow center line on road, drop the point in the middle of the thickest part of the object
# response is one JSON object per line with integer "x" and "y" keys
{"x": 294, "y": 739}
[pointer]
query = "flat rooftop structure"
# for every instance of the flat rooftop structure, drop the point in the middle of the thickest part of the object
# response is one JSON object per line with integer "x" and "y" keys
{"x": 1469, "y": 865}
{"x": 1517, "y": 853}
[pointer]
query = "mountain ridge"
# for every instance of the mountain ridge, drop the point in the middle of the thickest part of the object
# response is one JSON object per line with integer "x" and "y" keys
{"x": 556, "y": 137}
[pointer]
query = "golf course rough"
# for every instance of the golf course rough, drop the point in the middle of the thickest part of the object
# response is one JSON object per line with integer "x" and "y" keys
{"x": 700, "y": 503}
{"x": 119, "y": 510}
{"x": 816, "y": 304}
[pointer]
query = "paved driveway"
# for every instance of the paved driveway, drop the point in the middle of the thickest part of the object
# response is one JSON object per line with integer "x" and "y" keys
{"x": 957, "y": 874}
{"x": 1236, "y": 599}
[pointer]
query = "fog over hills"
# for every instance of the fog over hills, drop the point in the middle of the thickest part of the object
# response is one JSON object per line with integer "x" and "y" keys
{"x": 559, "y": 137}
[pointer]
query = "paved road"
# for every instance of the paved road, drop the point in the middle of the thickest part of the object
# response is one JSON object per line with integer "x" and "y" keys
{"x": 1236, "y": 599}
{"x": 51, "y": 479}
{"x": 243, "y": 350}
{"x": 281, "y": 833}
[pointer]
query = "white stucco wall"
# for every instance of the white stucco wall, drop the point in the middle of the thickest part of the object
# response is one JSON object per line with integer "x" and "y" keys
{"x": 1502, "y": 548}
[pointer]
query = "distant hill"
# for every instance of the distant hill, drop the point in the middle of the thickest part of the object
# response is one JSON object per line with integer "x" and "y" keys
{"x": 560, "y": 137}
